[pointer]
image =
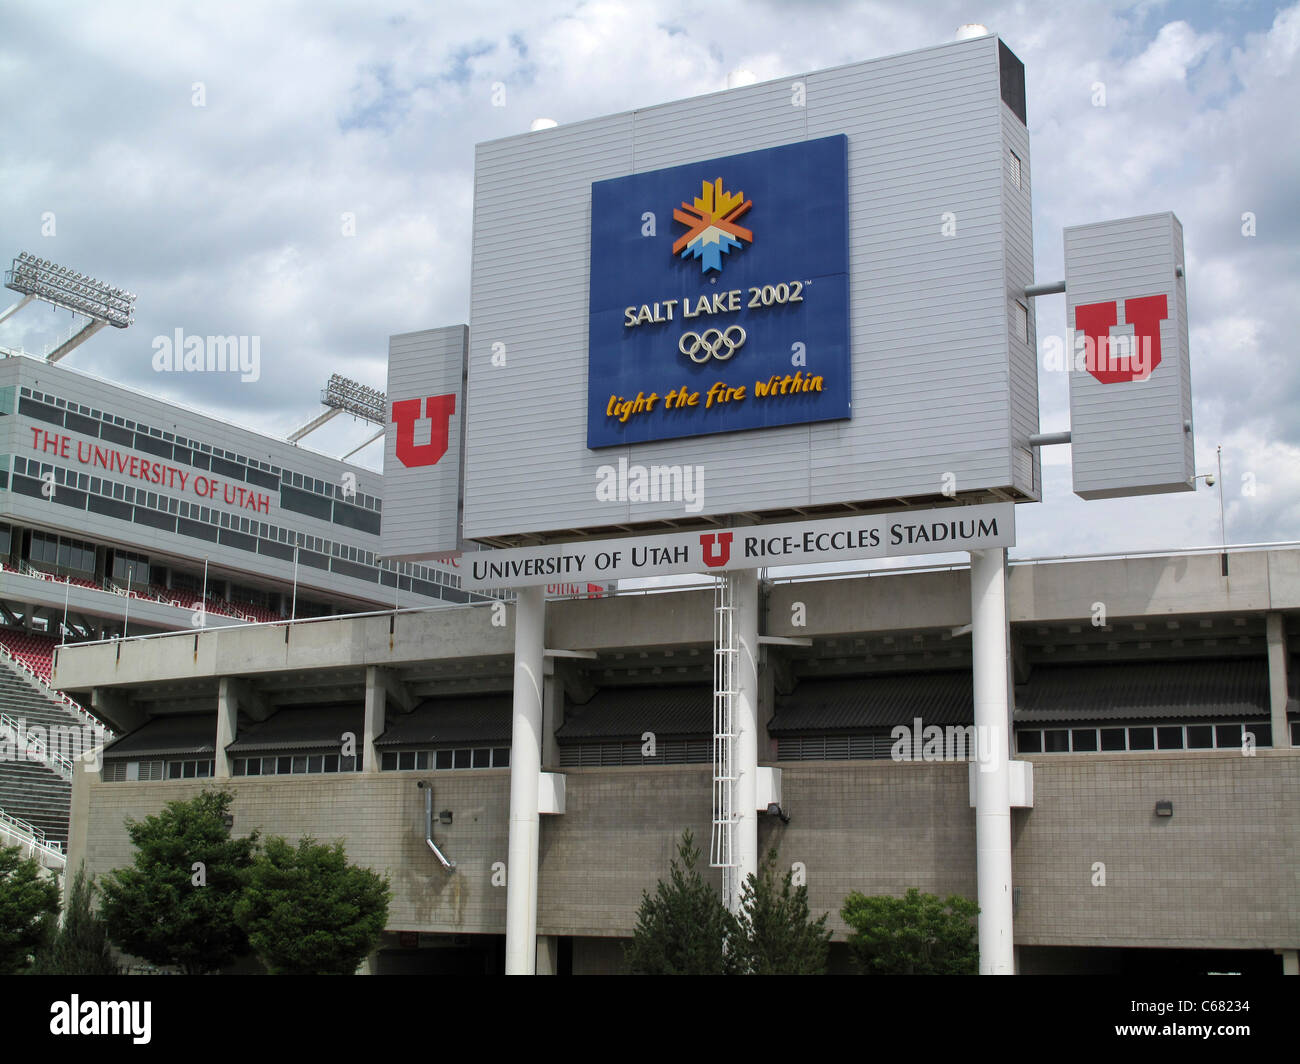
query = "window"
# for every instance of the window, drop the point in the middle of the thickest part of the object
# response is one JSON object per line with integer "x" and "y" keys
{"x": 1141, "y": 737}
{"x": 1015, "y": 169}
{"x": 1113, "y": 739}
{"x": 442, "y": 760}
{"x": 1169, "y": 738}
{"x": 187, "y": 770}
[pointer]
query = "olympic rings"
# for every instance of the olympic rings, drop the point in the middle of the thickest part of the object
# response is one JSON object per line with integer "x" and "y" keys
{"x": 700, "y": 347}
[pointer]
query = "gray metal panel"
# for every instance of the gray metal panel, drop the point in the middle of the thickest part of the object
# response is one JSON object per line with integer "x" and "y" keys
{"x": 422, "y": 503}
{"x": 1129, "y": 437}
{"x": 1018, "y": 225}
{"x": 526, "y": 429}
{"x": 932, "y": 371}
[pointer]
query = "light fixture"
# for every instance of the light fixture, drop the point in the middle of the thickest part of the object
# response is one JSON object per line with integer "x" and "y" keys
{"x": 774, "y": 809}
{"x": 343, "y": 393}
{"x": 1164, "y": 808}
{"x": 66, "y": 288}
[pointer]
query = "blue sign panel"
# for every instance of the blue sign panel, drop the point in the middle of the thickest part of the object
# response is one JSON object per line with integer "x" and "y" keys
{"x": 720, "y": 296}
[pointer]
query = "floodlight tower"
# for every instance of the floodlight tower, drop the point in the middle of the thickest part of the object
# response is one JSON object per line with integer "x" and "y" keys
{"x": 60, "y": 286}
{"x": 344, "y": 395}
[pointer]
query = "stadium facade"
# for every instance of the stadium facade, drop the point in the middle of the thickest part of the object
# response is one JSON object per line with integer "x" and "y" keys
{"x": 814, "y": 293}
{"x": 122, "y": 513}
{"x": 1186, "y": 695}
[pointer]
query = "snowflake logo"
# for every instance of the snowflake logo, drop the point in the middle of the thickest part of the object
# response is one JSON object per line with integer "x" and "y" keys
{"x": 711, "y": 225}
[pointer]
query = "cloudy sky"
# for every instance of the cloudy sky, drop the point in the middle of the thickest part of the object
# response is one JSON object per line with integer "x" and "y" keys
{"x": 208, "y": 156}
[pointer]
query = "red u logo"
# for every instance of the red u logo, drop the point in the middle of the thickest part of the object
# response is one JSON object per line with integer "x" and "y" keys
{"x": 406, "y": 412}
{"x": 717, "y": 548}
{"x": 1144, "y": 313}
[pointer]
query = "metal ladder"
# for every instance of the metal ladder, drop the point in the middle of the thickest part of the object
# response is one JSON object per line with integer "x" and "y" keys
{"x": 726, "y": 654}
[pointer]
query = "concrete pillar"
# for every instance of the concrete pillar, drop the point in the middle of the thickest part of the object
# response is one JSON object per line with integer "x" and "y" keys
{"x": 745, "y": 718}
{"x": 84, "y": 776}
{"x": 1290, "y": 961}
{"x": 552, "y": 714}
{"x": 374, "y": 723}
{"x": 993, "y": 775}
{"x": 548, "y": 954}
{"x": 525, "y": 773}
{"x": 1275, "y": 629}
{"x": 227, "y": 725}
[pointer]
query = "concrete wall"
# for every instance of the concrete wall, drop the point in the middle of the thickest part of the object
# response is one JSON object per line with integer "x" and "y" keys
{"x": 1221, "y": 873}
{"x": 379, "y": 818}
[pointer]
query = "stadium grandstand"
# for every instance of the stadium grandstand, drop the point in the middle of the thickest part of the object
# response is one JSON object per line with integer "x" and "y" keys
{"x": 122, "y": 513}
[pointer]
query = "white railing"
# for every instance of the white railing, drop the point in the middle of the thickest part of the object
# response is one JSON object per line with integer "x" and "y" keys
{"x": 17, "y": 832}
{"x": 726, "y": 654}
{"x": 22, "y": 742}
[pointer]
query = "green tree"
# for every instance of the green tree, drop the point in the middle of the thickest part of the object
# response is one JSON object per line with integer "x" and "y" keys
{"x": 81, "y": 945}
{"x": 776, "y": 935}
{"x": 308, "y": 912}
{"x": 29, "y": 909}
{"x": 684, "y": 929}
{"x": 917, "y": 934}
{"x": 175, "y": 905}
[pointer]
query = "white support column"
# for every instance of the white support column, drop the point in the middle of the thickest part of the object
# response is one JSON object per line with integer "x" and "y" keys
{"x": 525, "y": 774}
{"x": 744, "y": 591}
{"x": 1275, "y": 630}
{"x": 227, "y": 725}
{"x": 374, "y": 723}
{"x": 993, "y": 778}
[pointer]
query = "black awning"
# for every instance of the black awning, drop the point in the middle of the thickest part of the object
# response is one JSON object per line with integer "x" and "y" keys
{"x": 1135, "y": 691}
{"x": 440, "y": 721}
{"x": 167, "y": 737}
{"x": 305, "y": 729}
{"x": 625, "y": 713}
{"x": 856, "y": 703}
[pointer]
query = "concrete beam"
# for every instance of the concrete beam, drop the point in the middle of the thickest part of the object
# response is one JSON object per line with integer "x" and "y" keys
{"x": 1278, "y": 686}
{"x": 1139, "y": 587}
{"x": 577, "y": 686}
{"x": 248, "y": 698}
{"x": 116, "y": 708}
{"x": 375, "y": 717}
{"x": 227, "y": 725}
{"x": 397, "y": 692}
{"x": 460, "y": 632}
